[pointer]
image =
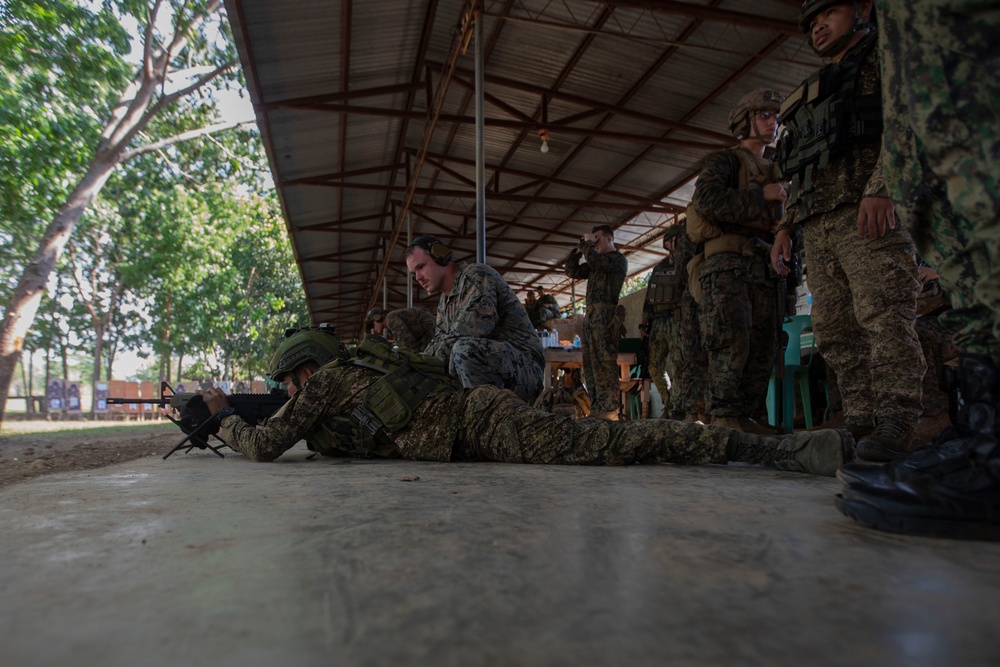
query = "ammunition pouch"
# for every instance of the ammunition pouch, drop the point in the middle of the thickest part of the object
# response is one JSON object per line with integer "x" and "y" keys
{"x": 694, "y": 277}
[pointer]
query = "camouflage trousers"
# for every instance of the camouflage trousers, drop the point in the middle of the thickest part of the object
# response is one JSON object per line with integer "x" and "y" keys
{"x": 935, "y": 342}
{"x": 675, "y": 349}
{"x": 481, "y": 361}
{"x": 864, "y": 307}
{"x": 940, "y": 88}
{"x": 600, "y": 360}
{"x": 497, "y": 426}
{"x": 661, "y": 368}
{"x": 410, "y": 328}
{"x": 689, "y": 361}
{"x": 738, "y": 328}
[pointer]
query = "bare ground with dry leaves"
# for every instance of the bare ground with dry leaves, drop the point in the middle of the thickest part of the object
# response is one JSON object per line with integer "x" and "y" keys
{"x": 33, "y": 449}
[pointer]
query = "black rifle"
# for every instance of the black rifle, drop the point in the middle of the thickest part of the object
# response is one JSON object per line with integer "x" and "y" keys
{"x": 781, "y": 285}
{"x": 198, "y": 423}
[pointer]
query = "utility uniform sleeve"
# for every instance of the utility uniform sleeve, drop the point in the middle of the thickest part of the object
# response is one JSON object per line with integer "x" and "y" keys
{"x": 471, "y": 313}
{"x": 718, "y": 197}
{"x": 319, "y": 398}
{"x": 576, "y": 270}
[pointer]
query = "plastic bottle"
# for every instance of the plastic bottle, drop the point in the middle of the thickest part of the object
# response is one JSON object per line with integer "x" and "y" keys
{"x": 809, "y": 304}
{"x": 576, "y": 341}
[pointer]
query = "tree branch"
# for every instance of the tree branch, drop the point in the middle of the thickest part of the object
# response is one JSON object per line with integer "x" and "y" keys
{"x": 183, "y": 136}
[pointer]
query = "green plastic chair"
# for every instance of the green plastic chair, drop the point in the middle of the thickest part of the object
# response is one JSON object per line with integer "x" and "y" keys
{"x": 796, "y": 373}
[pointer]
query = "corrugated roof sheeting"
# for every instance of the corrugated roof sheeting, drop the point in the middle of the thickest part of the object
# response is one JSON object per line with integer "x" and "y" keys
{"x": 633, "y": 94}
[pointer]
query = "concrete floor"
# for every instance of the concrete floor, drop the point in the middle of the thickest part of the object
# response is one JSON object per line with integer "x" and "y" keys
{"x": 203, "y": 561}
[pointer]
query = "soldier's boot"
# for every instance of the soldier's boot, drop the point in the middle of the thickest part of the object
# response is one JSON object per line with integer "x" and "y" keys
{"x": 956, "y": 497}
{"x": 889, "y": 441}
{"x": 976, "y": 381}
{"x": 727, "y": 422}
{"x": 814, "y": 452}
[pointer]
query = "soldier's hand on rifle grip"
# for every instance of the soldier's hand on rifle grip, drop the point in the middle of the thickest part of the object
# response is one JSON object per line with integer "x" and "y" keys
{"x": 781, "y": 252}
{"x": 215, "y": 399}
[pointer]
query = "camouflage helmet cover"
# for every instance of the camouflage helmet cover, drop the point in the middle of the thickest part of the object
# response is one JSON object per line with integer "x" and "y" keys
{"x": 318, "y": 344}
{"x": 762, "y": 99}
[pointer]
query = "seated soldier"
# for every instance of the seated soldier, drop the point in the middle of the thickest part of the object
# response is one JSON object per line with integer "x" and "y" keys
{"x": 394, "y": 404}
{"x": 483, "y": 333}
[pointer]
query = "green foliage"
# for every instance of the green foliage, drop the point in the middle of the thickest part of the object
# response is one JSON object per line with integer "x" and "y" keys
{"x": 187, "y": 236}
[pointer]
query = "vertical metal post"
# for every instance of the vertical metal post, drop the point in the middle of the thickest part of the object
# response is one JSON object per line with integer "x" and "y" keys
{"x": 480, "y": 145}
{"x": 409, "y": 278}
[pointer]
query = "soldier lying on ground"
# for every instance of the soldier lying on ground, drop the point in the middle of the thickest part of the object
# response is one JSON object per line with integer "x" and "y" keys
{"x": 394, "y": 404}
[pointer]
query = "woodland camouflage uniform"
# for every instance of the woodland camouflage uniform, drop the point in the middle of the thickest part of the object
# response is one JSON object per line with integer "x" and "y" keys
{"x": 485, "y": 336}
{"x": 738, "y": 312}
{"x": 605, "y": 274}
{"x": 411, "y": 328}
{"x": 674, "y": 334}
{"x": 864, "y": 290}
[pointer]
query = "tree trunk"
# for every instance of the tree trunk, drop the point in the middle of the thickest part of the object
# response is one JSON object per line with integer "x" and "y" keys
{"x": 31, "y": 383}
{"x": 98, "y": 350}
{"x": 180, "y": 360}
{"x": 27, "y": 295}
{"x": 48, "y": 379}
{"x": 63, "y": 409}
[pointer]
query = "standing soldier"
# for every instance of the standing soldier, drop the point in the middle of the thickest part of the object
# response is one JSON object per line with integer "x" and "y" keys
{"x": 604, "y": 272}
{"x": 735, "y": 198}
{"x": 670, "y": 324}
{"x": 862, "y": 267}
{"x": 548, "y": 308}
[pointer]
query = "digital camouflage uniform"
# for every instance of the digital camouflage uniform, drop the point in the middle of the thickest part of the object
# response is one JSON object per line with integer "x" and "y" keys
{"x": 864, "y": 291}
{"x": 674, "y": 334}
{"x": 605, "y": 274}
{"x": 491, "y": 424}
{"x": 738, "y": 313}
{"x": 411, "y": 328}
{"x": 484, "y": 335}
{"x": 942, "y": 148}
{"x": 548, "y": 309}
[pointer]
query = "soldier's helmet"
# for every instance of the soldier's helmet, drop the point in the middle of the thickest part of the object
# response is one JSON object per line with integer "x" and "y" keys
{"x": 671, "y": 233}
{"x": 762, "y": 99}
{"x": 810, "y": 8}
{"x": 320, "y": 344}
{"x": 374, "y": 315}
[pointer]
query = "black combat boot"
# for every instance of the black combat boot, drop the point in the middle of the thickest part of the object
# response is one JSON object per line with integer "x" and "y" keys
{"x": 814, "y": 452}
{"x": 950, "y": 488}
{"x": 959, "y": 497}
{"x": 976, "y": 382}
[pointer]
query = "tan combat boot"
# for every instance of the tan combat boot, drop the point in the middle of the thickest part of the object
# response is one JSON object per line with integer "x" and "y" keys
{"x": 814, "y": 452}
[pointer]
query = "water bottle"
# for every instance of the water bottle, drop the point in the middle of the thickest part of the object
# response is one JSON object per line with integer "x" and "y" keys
{"x": 576, "y": 342}
{"x": 809, "y": 304}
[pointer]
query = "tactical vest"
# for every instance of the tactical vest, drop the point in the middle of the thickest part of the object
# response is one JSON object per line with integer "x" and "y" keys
{"x": 408, "y": 379}
{"x": 665, "y": 288}
{"x": 823, "y": 119}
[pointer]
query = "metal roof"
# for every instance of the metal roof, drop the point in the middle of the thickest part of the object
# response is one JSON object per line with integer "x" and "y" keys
{"x": 367, "y": 113}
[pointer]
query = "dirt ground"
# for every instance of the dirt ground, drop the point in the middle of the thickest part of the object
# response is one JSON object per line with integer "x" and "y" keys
{"x": 33, "y": 449}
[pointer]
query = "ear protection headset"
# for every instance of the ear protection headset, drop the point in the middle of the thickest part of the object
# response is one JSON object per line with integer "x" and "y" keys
{"x": 438, "y": 251}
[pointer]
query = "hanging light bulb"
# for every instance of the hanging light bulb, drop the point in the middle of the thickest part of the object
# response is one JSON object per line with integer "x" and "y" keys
{"x": 543, "y": 134}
